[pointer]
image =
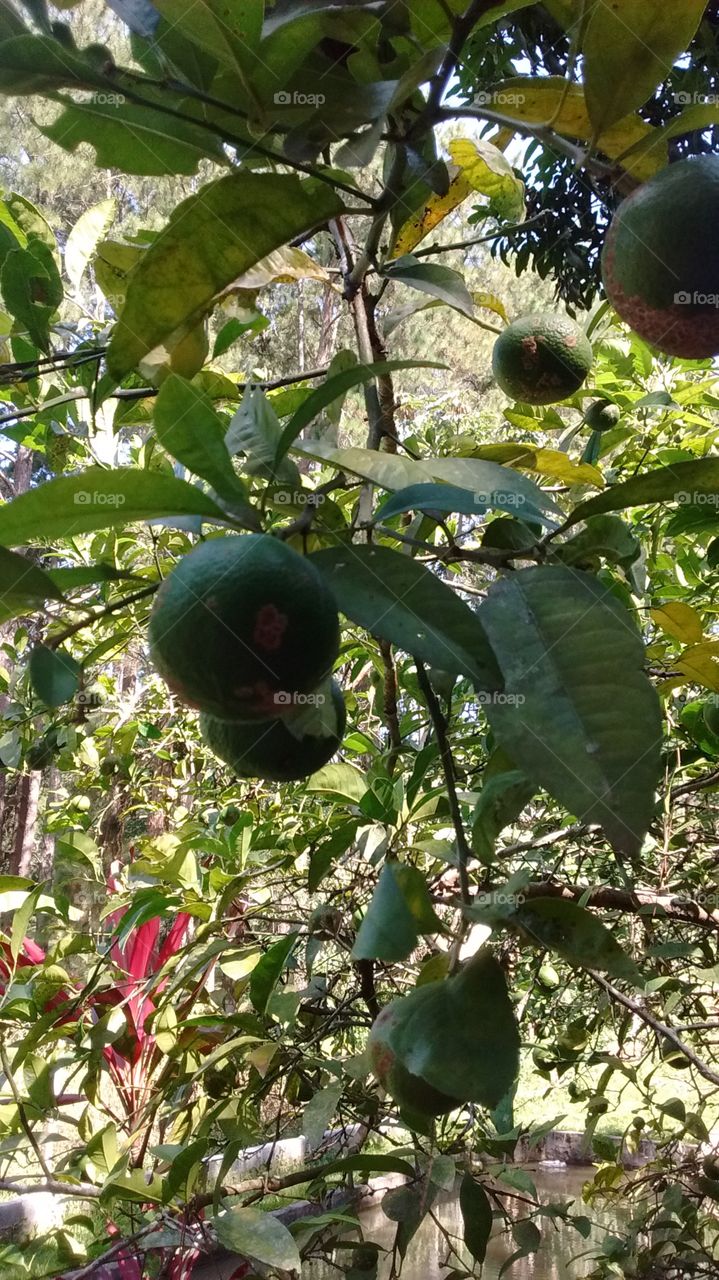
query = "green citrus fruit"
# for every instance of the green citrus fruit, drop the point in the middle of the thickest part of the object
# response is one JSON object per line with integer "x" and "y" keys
{"x": 268, "y": 749}
{"x": 660, "y": 263}
{"x": 410, "y": 1092}
{"x": 541, "y": 358}
{"x": 241, "y": 625}
{"x": 548, "y": 977}
{"x": 602, "y": 415}
{"x": 710, "y": 713}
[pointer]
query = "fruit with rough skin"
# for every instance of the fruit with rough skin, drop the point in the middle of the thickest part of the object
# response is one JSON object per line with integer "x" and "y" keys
{"x": 660, "y": 263}
{"x": 268, "y": 749}
{"x": 602, "y": 415}
{"x": 241, "y": 625}
{"x": 710, "y": 713}
{"x": 541, "y": 358}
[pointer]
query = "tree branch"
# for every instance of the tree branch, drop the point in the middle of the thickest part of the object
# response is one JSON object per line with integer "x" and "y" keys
{"x": 660, "y": 1027}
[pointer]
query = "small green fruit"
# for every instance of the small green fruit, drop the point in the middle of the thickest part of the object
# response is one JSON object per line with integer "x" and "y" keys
{"x": 602, "y": 415}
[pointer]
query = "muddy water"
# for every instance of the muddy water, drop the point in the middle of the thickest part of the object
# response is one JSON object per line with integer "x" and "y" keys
{"x": 563, "y": 1254}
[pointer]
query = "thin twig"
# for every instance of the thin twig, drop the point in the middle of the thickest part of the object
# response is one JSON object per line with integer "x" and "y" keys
{"x": 440, "y": 728}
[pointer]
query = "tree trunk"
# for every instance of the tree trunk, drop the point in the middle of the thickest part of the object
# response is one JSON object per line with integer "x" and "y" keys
{"x": 24, "y": 842}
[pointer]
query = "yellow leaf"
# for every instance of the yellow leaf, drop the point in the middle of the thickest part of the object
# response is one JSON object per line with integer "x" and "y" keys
{"x": 679, "y": 621}
{"x": 432, "y": 213}
{"x": 547, "y": 462}
{"x": 700, "y": 663}
{"x": 548, "y": 101}
{"x": 282, "y": 266}
{"x": 489, "y": 172}
{"x": 492, "y": 303}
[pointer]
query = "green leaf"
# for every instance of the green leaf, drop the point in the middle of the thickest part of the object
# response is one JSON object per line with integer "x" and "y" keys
{"x": 21, "y": 920}
{"x": 54, "y": 674}
{"x": 99, "y": 499}
{"x": 448, "y": 497}
{"x": 32, "y": 289}
{"x": 39, "y": 64}
{"x": 229, "y": 32}
{"x": 557, "y": 924}
{"x": 10, "y": 24}
{"x": 577, "y": 713}
{"x": 267, "y": 972}
{"x": 342, "y": 780}
{"x": 367, "y": 1164}
{"x": 459, "y": 1035}
{"x": 336, "y": 386}
{"x": 629, "y": 49}
{"x": 432, "y": 278}
{"x": 189, "y": 429}
{"x": 527, "y": 1235}
{"x": 400, "y": 910}
{"x": 506, "y": 791}
{"x": 681, "y": 482}
{"x": 23, "y": 585}
{"x": 401, "y": 601}
{"x": 83, "y": 239}
{"x": 482, "y": 477}
{"x": 257, "y": 1235}
{"x": 212, "y": 238}
{"x": 606, "y": 536}
{"x": 319, "y": 1112}
{"x": 133, "y": 138}
{"x": 255, "y": 431}
{"x": 476, "y": 1216}
{"x": 85, "y": 575}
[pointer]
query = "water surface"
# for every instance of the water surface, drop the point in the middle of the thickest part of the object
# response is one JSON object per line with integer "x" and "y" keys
{"x": 563, "y": 1254}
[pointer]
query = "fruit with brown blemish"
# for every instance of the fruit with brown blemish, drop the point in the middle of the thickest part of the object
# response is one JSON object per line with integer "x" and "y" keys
{"x": 541, "y": 358}
{"x": 660, "y": 263}
{"x": 241, "y": 625}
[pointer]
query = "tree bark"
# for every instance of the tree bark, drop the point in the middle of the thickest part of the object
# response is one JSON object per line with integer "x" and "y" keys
{"x": 24, "y": 842}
